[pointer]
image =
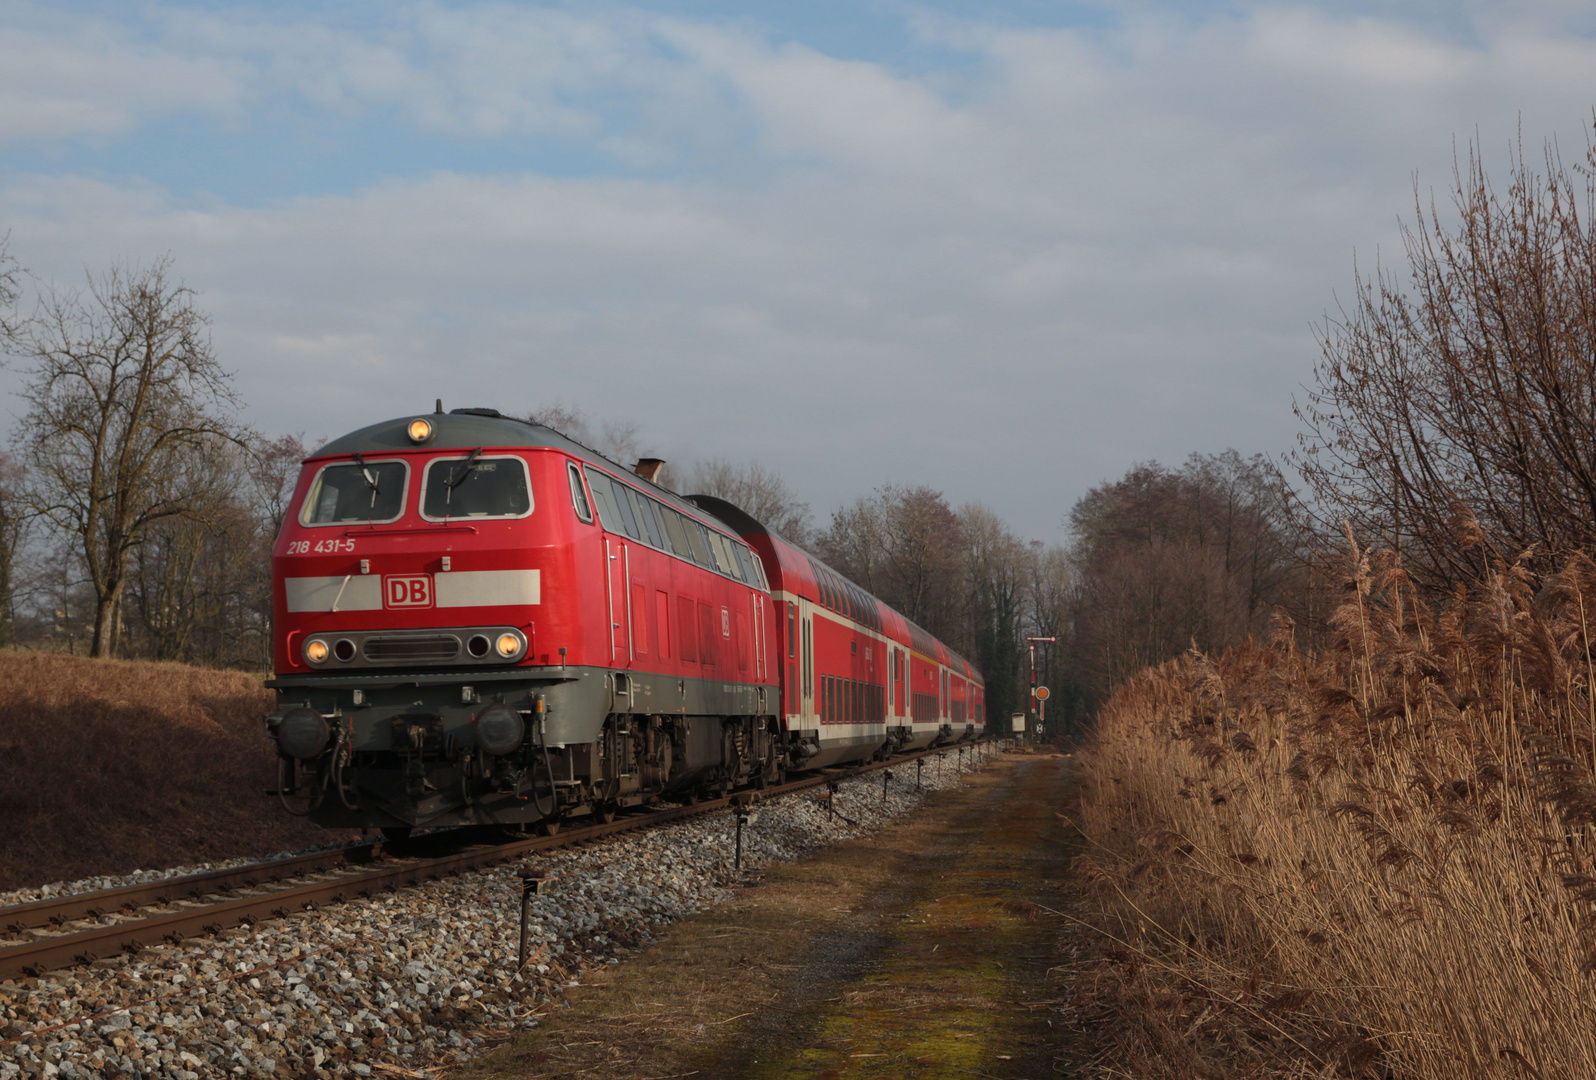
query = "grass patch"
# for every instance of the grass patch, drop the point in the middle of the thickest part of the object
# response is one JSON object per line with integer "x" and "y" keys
{"x": 908, "y": 953}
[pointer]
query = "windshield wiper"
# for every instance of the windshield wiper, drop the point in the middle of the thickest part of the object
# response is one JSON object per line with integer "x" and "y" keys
{"x": 456, "y": 479}
{"x": 371, "y": 481}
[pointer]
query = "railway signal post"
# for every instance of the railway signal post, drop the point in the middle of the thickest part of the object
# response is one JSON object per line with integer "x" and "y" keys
{"x": 1037, "y": 699}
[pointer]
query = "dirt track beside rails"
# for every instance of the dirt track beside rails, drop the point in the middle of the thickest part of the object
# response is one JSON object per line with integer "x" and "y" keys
{"x": 913, "y": 953}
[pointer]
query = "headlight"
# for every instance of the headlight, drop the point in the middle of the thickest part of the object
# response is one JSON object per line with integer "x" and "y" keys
{"x": 420, "y": 430}
{"x": 316, "y": 650}
{"x": 510, "y": 645}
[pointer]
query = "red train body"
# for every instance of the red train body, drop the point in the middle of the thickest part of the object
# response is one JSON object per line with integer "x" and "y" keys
{"x": 478, "y": 620}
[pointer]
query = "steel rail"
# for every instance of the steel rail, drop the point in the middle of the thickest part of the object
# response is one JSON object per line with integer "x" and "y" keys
{"x": 65, "y": 909}
{"x": 65, "y": 950}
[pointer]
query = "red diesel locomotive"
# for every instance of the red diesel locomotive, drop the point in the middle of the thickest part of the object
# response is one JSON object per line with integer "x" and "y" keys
{"x": 479, "y": 620}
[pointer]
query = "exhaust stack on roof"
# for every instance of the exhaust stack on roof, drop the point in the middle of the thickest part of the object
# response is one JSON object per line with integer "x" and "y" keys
{"x": 648, "y": 468}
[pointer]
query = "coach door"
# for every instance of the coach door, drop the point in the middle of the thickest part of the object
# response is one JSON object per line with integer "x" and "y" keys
{"x": 618, "y": 596}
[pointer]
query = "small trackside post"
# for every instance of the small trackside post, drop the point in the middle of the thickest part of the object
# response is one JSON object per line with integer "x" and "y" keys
{"x": 886, "y": 778}
{"x": 919, "y": 771}
{"x": 745, "y": 816}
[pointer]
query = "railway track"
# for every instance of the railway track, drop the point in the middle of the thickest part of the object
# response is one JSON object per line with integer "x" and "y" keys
{"x": 195, "y": 904}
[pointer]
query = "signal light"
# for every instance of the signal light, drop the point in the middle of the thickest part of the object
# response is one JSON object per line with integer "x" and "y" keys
{"x": 420, "y": 430}
{"x": 316, "y": 650}
{"x": 509, "y": 645}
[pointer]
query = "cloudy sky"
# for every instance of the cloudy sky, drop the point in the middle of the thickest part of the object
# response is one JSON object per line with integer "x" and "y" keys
{"x": 1005, "y": 249}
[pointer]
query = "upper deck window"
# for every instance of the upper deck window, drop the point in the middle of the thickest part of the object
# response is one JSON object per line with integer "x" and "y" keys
{"x": 369, "y": 492}
{"x": 476, "y": 487}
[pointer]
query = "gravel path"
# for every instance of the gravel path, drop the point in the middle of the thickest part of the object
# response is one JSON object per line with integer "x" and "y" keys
{"x": 419, "y": 978}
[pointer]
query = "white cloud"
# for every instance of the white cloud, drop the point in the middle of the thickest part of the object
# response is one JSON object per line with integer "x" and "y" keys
{"x": 93, "y": 82}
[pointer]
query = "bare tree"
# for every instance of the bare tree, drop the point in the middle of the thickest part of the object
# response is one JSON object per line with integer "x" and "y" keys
{"x": 10, "y": 287}
{"x": 996, "y": 565}
{"x": 1170, "y": 557}
{"x": 125, "y": 399}
{"x": 13, "y": 527}
{"x": 756, "y": 490}
{"x": 1454, "y": 415}
{"x": 273, "y": 469}
{"x": 906, "y": 546}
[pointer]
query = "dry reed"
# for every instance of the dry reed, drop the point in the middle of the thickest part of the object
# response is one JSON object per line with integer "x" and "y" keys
{"x": 1400, "y": 830}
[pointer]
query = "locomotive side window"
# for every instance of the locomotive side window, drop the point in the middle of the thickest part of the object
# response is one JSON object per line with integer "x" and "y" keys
{"x": 676, "y": 532}
{"x": 604, "y": 498}
{"x": 623, "y": 500}
{"x": 372, "y": 491}
{"x": 724, "y": 560}
{"x": 476, "y": 487}
{"x": 696, "y": 539}
{"x": 650, "y": 511}
{"x": 579, "y": 496}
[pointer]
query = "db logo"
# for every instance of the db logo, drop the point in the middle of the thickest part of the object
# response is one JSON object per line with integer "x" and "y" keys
{"x": 725, "y": 623}
{"x": 407, "y": 591}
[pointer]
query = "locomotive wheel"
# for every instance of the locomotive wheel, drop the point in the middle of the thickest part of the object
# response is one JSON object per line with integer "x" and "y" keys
{"x": 396, "y": 834}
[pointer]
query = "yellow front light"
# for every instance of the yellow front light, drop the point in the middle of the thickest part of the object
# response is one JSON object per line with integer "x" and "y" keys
{"x": 508, "y": 645}
{"x": 315, "y": 651}
{"x": 420, "y": 430}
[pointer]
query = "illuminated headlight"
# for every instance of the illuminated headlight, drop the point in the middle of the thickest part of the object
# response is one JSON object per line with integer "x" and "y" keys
{"x": 316, "y": 651}
{"x": 510, "y": 644}
{"x": 420, "y": 430}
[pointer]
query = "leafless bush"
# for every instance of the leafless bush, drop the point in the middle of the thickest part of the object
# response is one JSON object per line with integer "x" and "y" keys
{"x": 1454, "y": 414}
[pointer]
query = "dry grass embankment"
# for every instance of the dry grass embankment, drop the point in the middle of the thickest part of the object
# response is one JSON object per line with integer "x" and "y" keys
{"x": 1380, "y": 860}
{"x": 109, "y": 765}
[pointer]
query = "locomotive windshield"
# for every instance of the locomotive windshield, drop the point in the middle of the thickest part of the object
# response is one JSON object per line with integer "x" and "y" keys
{"x": 366, "y": 491}
{"x": 476, "y": 487}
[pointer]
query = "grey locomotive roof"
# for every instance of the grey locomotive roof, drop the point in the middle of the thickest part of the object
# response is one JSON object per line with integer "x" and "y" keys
{"x": 468, "y": 429}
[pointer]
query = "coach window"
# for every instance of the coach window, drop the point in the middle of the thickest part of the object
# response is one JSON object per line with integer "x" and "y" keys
{"x": 369, "y": 492}
{"x": 476, "y": 487}
{"x": 579, "y": 496}
{"x": 792, "y": 630}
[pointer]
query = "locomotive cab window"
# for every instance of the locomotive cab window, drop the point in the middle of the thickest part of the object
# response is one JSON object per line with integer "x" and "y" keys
{"x": 367, "y": 492}
{"x": 579, "y": 496}
{"x": 476, "y": 487}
